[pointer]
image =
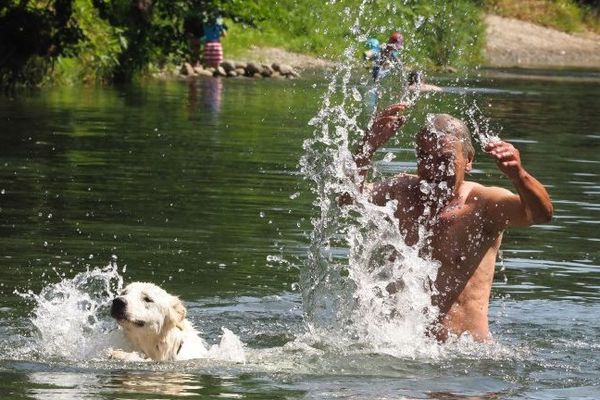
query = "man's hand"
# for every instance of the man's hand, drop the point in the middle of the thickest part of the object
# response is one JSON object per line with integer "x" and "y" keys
{"x": 508, "y": 158}
{"x": 385, "y": 125}
{"x": 532, "y": 205}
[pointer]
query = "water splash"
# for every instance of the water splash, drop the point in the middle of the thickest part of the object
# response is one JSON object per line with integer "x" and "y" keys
{"x": 481, "y": 128}
{"x": 70, "y": 318}
{"x": 363, "y": 286}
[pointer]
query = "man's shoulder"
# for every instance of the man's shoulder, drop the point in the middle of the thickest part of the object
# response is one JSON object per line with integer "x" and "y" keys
{"x": 483, "y": 192}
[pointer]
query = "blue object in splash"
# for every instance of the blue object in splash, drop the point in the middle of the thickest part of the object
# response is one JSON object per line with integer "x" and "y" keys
{"x": 373, "y": 45}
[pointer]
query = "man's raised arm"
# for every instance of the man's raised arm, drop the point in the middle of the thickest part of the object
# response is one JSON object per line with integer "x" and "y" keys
{"x": 532, "y": 205}
{"x": 384, "y": 126}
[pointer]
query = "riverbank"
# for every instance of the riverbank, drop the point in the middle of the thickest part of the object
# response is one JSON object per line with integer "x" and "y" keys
{"x": 265, "y": 62}
{"x": 509, "y": 43}
{"x": 115, "y": 46}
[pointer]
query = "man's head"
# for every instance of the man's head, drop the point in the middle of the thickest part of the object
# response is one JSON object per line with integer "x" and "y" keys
{"x": 444, "y": 150}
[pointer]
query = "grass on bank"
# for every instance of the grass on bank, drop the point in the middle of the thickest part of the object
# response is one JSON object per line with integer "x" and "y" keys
{"x": 564, "y": 15}
{"x": 436, "y": 32}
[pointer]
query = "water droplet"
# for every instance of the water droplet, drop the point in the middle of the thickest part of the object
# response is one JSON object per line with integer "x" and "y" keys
{"x": 424, "y": 187}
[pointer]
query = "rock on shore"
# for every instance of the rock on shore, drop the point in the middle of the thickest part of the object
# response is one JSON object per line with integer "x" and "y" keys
{"x": 269, "y": 63}
{"x": 232, "y": 69}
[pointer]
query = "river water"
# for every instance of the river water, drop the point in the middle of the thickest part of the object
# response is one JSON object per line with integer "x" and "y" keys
{"x": 196, "y": 186}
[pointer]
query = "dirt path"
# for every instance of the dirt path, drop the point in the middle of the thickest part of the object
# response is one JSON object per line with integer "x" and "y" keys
{"x": 511, "y": 42}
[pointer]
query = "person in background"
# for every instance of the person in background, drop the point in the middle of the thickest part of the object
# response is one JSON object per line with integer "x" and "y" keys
{"x": 373, "y": 49}
{"x": 214, "y": 29}
{"x": 194, "y": 31}
{"x": 389, "y": 55}
{"x": 416, "y": 83}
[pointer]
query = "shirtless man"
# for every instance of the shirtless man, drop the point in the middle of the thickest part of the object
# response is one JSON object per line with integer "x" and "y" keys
{"x": 464, "y": 220}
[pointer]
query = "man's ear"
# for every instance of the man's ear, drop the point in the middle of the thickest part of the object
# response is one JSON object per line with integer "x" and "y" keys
{"x": 469, "y": 165}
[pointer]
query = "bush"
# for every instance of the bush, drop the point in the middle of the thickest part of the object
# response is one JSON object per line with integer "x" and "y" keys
{"x": 436, "y": 32}
{"x": 95, "y": 57}
{"x": 102, "y": 40}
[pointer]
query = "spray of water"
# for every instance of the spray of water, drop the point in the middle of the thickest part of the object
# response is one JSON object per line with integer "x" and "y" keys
{"x": 481, "y": 125}
{"x": 70, "y": 318}
{"x": 363, "y": 285}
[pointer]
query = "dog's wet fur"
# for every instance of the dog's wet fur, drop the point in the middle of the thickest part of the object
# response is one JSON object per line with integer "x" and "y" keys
{"x": 155, "y": 324}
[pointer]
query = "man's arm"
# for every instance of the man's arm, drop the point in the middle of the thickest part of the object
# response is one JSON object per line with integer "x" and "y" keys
{"x": 531, "y": 206}
{"x": 385, "y": 125}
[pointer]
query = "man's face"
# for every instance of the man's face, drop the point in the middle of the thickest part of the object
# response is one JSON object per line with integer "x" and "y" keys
{"x": 440, "y": 158}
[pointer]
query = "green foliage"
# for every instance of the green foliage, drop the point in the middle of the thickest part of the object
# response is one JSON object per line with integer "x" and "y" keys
{"x": 99, "y": 40}
{"x": 96, "y": 56}
{"x": 32, "y": 35}
{"x": 104, "y": 40}
{"x": 454, "y": 35}
{"x": 437, "y": 32}
{"x": 565, "y": 15}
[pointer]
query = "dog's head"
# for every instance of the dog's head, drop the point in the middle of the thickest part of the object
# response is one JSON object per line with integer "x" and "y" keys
{"x": 144, "y": 307}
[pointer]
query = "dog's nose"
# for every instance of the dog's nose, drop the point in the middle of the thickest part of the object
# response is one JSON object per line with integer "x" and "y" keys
{"x": 118, "y": 307}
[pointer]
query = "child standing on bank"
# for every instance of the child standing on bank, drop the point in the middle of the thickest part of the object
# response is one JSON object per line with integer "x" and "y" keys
{"x": 214, "y": 29}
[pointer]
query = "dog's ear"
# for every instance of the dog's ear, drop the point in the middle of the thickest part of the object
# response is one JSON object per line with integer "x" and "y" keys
{"x": 178, "y": 312}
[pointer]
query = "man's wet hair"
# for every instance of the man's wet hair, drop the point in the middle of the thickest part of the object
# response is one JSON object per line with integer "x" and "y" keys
{"x": 447, "y": 124}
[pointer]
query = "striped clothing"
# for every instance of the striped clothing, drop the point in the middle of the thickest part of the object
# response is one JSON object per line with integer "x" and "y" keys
{"x": 213, "y": 54}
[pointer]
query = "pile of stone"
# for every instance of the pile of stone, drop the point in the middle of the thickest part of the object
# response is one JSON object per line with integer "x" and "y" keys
{"x": 231, "y": 69}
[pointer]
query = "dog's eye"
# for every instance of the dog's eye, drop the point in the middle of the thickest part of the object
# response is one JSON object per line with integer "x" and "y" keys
{"x": 148, "y": 299}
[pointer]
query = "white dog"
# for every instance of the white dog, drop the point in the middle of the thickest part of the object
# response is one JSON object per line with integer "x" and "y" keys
{"x": 154, "y": 322}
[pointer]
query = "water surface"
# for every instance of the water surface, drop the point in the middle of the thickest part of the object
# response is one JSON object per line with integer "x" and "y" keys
{"x": 196, "y": 187}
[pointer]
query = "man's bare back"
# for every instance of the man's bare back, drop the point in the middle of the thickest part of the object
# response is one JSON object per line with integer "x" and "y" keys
{"x": 464, "y": 220}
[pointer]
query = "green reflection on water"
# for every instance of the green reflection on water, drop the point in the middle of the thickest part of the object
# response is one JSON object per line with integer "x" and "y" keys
{"x": 193, "y": 185}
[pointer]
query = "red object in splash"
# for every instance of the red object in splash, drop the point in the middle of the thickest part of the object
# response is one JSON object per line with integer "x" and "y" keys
{"x": 396, "y": 37}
